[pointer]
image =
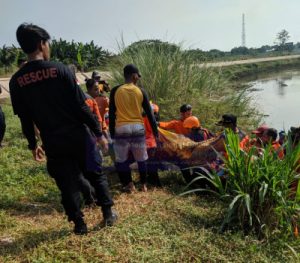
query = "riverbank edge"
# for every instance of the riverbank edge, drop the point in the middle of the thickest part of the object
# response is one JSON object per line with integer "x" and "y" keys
{"x": 240, "y": 72}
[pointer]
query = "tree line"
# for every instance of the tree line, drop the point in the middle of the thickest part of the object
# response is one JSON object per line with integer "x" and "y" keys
{"x": 89, "y": 56}
{"x": 84, "y": 56}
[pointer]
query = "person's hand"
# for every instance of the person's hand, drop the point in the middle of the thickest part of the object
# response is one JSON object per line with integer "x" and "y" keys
{"x": 103, "y": 143}
{"x": 38, "y": 154}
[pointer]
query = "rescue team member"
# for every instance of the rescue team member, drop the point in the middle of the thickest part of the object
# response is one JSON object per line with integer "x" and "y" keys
{"x": 270, "y": 137}
{"x": 92, "y": 91}
{"x": 257, "y": 141}
{"x": 2, "y": 123}
{"x": 102, "y": 101}
{"x": 103, "y": 105}
{"x": 177, "y": 125}
{"x": 229, "y": 121}
{"x": 152, "y": 162}
{"x": 91, "y": 95}
{"x": 46, "y": 93}
{"x": 126, "y": 126}
{"x": 259, "y": 132}
{"x": 195, "y": 131}
{"x": 102, "y": 84}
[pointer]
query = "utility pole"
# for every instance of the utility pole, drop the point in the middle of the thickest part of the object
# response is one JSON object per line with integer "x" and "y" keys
{"x": 243, "y": 31}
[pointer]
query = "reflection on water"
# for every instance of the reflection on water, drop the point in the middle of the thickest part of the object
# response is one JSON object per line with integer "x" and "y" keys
{"x": 281, "y": 87}
{"x": 278, "y": 97}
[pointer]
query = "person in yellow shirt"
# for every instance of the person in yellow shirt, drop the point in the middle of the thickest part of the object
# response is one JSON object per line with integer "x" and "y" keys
{"x": 126, "y": 126}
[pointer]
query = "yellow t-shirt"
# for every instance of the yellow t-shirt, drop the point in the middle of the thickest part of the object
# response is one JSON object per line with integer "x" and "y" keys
{"x": 128, "y": 101}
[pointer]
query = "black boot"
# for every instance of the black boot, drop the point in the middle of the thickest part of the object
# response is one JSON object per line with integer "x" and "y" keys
{"x": 110, "y": 217}
{"x": 80, "y": 227}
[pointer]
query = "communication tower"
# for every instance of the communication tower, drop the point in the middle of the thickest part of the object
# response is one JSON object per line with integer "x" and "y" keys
{"x": 243, "y": 32}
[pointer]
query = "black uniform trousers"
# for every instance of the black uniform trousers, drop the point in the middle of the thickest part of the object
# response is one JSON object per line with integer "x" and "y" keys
{"x": 69, "y": 157}
{"x": 2, "y": 125}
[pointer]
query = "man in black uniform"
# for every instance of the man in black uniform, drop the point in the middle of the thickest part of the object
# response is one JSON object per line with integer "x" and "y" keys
{"x": 45, "y": 93}
{"x": 2, "y": 123}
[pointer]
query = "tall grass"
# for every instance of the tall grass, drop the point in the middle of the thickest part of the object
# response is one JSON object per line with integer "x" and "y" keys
{"x": 171, "y": 78}
{"x": 258, "y": 189}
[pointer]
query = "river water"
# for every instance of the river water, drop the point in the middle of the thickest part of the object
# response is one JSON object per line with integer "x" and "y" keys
{"x": 277, "y": 95}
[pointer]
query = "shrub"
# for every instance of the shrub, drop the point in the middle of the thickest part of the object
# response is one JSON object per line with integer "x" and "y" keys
{"x": 258, "y": 189}
{"x": 171, "y": 78}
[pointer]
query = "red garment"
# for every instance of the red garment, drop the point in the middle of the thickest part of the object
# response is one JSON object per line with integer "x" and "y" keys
{"x": 175, "y": 125}
{"x": 150, "y": 139}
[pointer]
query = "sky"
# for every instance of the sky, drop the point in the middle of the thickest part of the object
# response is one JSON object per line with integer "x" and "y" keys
{"x": 203, "y": 24}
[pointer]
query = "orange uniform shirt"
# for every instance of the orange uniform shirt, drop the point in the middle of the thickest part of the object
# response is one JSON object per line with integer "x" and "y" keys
{"x": 174, "y": 125}
{"x": 278, "y": 149}
{"x": 245, "y": 143}
{"x": 95, "y": 110}
{"x": 103, "y": 104}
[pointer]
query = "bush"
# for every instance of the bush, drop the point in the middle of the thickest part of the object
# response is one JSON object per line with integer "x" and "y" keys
{"x": 258, "y": 189}
{"x": 171, "y": 78}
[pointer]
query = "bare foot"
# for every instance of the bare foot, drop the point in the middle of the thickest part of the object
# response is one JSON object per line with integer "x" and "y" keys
{"x": 144, "y": 188}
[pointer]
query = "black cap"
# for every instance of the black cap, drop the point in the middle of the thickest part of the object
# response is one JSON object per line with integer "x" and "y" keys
{"x": 131, "y": 69}
{"x": 96, "y": 75}
{"x": 227, "y": 119}
{"x": 295, "y": 134}
{"x": 185, "y": 107}
{"x": 271, "y": 132}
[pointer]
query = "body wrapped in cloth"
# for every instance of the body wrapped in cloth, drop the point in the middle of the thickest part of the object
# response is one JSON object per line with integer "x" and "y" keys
{"x": 184, "y": 152}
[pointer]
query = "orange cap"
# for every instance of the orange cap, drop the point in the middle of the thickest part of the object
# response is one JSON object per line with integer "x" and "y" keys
{"x": 191, "y": 122}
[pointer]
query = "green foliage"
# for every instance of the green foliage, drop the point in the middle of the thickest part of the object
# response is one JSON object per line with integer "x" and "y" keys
{"x": 153, "y": 44}
{"x": 258, "y": 189}
{"x": 34, "y": 229}
{"x": 172, "y": 78}
{"x": 85, "y": 56}
{"x": 20, "y": 177}
{"x": 282, "y": 37}
{"x": 240, "y": 51}
{"x": 197, "y": 54}
{"x": 8, "y": 56}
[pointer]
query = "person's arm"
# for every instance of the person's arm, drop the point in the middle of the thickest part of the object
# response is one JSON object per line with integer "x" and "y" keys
{"x": 94, "y": 109}
{"x": 21, "y": 111}
{"x": 97, "y": 112}
{"x": 26, "y": 122}
{"x": 77, "y": 99}
{"x": 112, "y": 112}
{"x": 149, "y": 113}
{"x": 28, "y": 131}
{"x": 168, "y": 125}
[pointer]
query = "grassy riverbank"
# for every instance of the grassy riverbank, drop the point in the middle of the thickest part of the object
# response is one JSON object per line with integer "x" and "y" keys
{"x": 238, "y": 72}
{"x": 33, "y": 227}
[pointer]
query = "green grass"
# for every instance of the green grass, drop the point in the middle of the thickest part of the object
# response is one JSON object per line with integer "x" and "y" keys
{"x": 258, "y": 189}
{"x": 172, "y": 79}
{"x": 158, "y": 226}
